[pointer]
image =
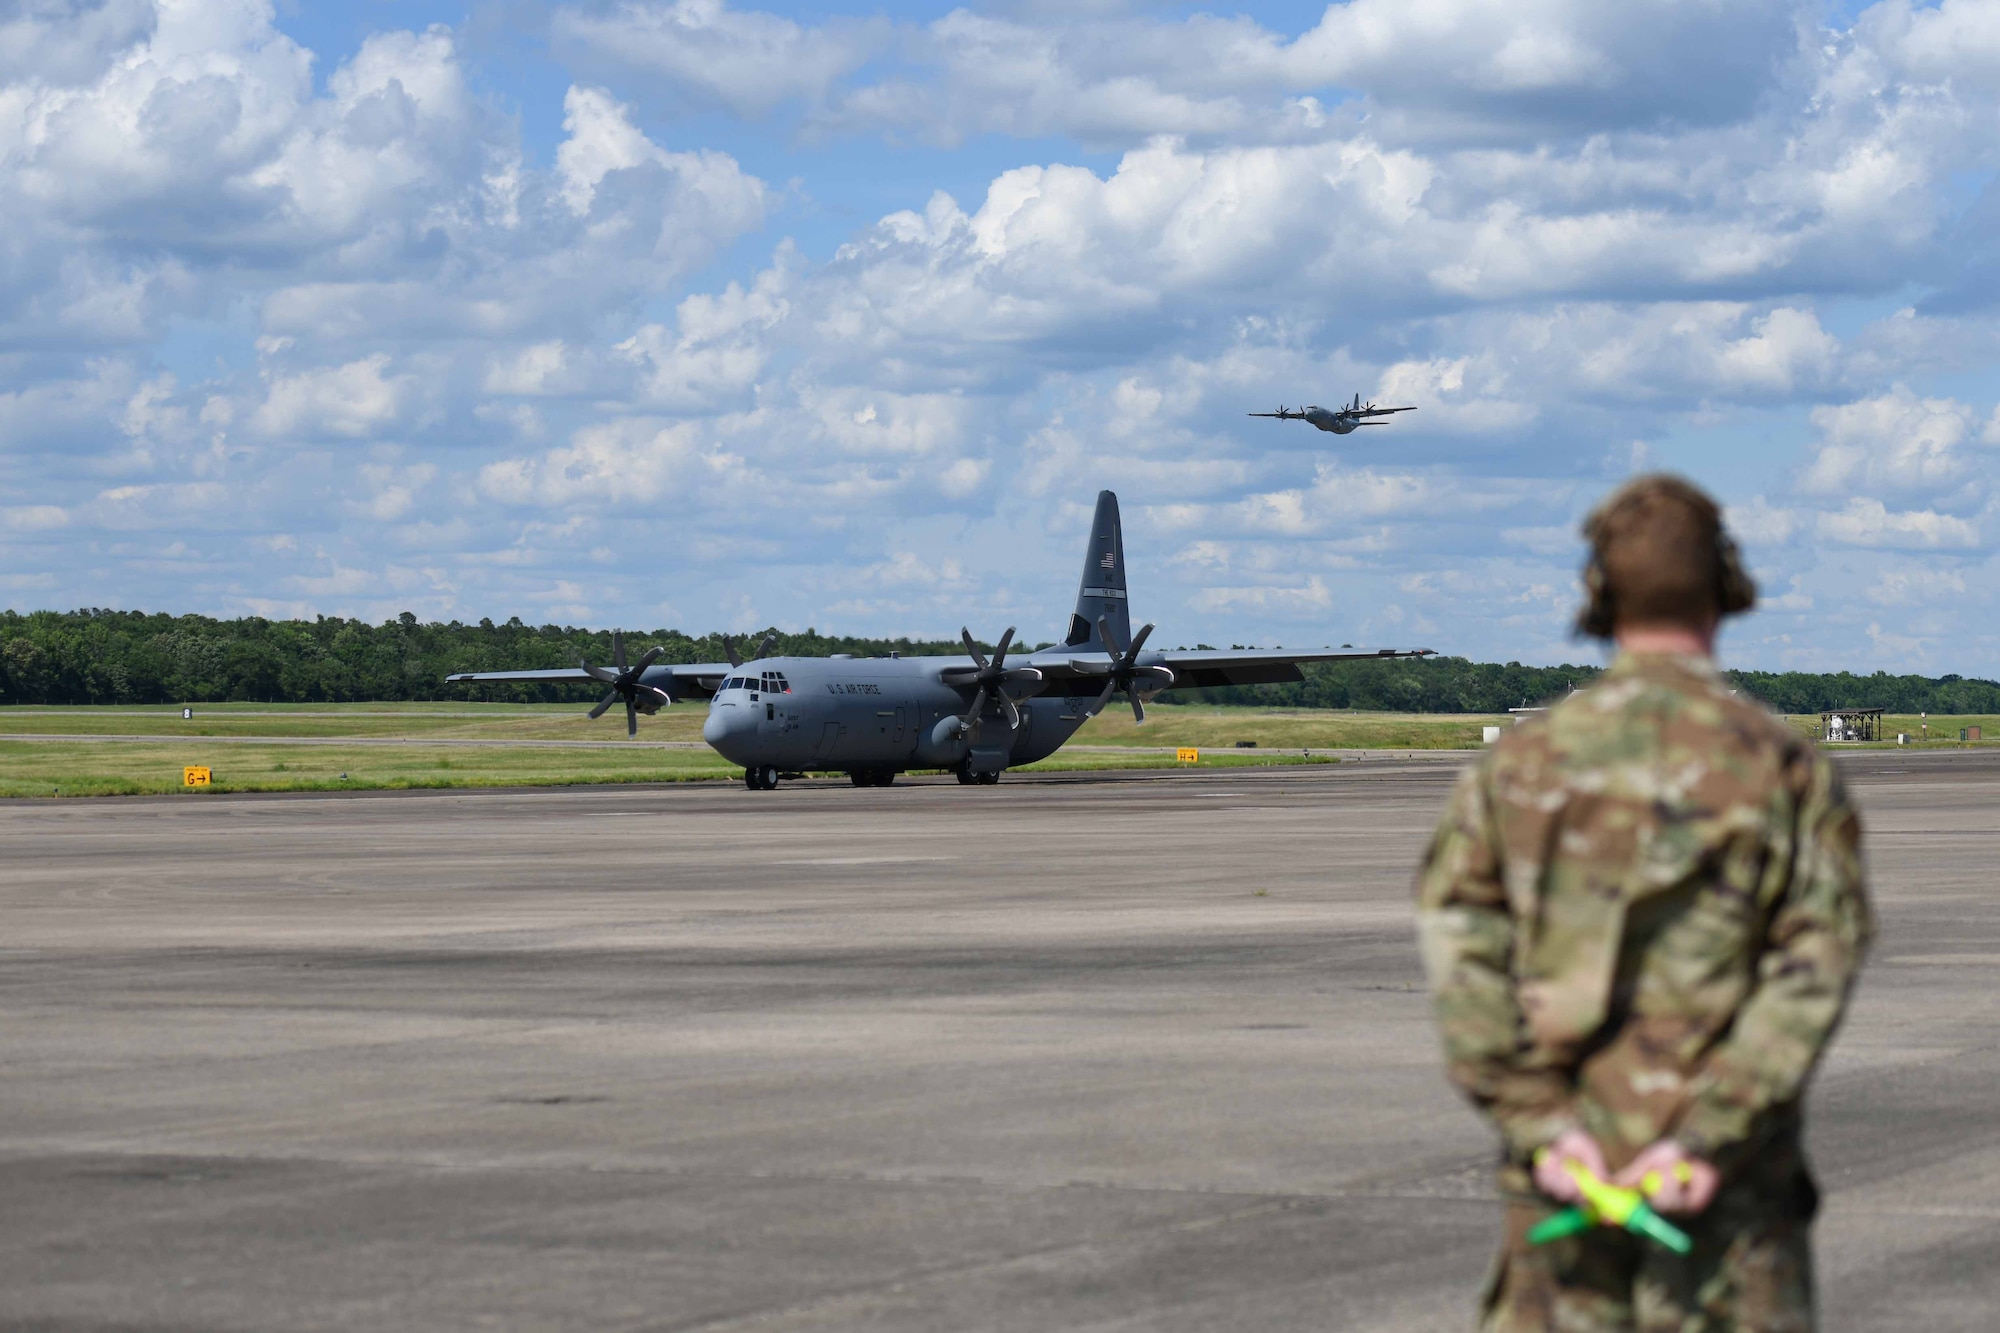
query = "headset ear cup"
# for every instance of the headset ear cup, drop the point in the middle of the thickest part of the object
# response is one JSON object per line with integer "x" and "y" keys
{"x": 1596, "y": 619}
{"x": 1736, "y": 591}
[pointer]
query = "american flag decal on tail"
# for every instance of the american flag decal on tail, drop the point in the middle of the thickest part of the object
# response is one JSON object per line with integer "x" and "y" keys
{"x": 1107, "y": 561}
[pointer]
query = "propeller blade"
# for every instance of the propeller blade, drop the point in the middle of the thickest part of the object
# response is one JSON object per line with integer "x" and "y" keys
{"x": 1000, "y": 652}
{"x": 653, "y": 655}
{"x": 618, "y": 650}
{"x": 972, "y": 648}
{"x": 1110, "y": 688}
{"x": 632, "y": 718}
{"x": 764, "y": 648}
{"x": 729, "y": 651}
{"x": 1012, "y": 711}
{"x": 603, "y": 704}
{"x": 605, "y": 674}
{"x": 968, "y": 725}
{"x": 1021, "y": 676}
{"x": 1138, "y": 709}
{"x": 1138, "y": 642}
{"x": 1104, "y": 633}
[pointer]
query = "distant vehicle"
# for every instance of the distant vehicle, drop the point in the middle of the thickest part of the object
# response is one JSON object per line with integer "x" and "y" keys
{"x": 1339, "y": 420}
{"x": 872, "y": 718}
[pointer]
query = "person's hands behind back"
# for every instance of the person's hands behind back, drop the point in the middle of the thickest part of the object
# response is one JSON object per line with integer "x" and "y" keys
{"x": 1572, "y": 1145}
{"x": 1687, "y": 1184}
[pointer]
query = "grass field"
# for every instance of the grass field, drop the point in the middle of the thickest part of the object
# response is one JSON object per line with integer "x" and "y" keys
{"x": 299, "y": 747}
{"x": 292, "y": 747}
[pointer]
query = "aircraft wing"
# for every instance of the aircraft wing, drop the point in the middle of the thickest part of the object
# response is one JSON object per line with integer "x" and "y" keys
{"x": 1210, "y": 667}
{"x": 554, "y": 676}
{"x": 1205, "y": 667}
{"x": 1380, "y": 411}
{"x": 692, "y": 680}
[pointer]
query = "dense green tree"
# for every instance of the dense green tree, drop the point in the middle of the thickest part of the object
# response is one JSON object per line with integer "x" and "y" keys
{"x": 99, "y": 656}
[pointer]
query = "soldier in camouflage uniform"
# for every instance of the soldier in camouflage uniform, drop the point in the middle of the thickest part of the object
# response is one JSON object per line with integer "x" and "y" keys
{"x": 1641, "y": 916}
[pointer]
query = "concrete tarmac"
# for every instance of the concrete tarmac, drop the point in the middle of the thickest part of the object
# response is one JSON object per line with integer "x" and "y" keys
{"x": 1084, "y": 1051}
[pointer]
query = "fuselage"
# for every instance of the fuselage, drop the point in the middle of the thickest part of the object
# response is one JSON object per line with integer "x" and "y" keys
{"x": 1337, "y": 422}
{"x": 886, "y": 713}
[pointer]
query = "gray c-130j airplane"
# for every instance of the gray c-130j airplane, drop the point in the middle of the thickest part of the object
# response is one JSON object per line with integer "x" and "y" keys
{"x": 872, "y": 718}
{"x": 1341, "y": 420}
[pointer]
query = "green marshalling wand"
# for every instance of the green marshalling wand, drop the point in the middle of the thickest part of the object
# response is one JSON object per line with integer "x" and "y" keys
{"x": 1607, "y": 1204}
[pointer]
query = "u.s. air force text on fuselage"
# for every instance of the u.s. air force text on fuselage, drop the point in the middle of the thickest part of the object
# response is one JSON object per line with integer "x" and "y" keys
{"x": 976, "y": 715}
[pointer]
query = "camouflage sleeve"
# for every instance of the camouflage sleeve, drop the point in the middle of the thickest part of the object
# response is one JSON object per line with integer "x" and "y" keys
{"x": 1812, "y": 951}
{"x": 1467, "y": 935}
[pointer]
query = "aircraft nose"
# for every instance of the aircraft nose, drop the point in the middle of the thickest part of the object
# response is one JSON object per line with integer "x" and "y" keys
{"x": 726, "y": 723}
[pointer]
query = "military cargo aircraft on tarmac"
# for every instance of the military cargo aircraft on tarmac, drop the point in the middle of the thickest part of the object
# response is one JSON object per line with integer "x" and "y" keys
{"x": 1341, "y": 420}
{"x": 872, "y": 718}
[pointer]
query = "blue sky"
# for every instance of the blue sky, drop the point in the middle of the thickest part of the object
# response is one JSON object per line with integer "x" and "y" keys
{"x": 704, "y": 315}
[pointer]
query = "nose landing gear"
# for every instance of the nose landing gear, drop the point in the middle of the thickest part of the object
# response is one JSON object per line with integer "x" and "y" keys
{"x": 763, "y": 777}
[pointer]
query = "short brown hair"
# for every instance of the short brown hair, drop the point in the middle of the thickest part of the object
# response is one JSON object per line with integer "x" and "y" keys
{"x": 1659, "y": 555}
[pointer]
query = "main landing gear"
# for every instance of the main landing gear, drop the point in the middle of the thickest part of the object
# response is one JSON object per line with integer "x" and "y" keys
{"x": 967, "y": 776}
{"x": 872, "y": 777}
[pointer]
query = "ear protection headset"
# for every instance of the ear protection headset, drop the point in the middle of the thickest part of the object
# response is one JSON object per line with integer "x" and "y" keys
{"x": 1735, "y": 590}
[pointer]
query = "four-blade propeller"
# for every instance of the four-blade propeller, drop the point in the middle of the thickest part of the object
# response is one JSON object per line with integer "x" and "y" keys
{"x": 624, "y": 683}
{"x": 990, "y": 679}
{"x": 736, "y": 658}
{"x": 1123, "y": 672}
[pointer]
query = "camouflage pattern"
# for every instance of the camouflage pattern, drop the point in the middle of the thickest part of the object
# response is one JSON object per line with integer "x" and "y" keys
{"x": 1751, "y": 1272}
{"x": 1641, "y": 916}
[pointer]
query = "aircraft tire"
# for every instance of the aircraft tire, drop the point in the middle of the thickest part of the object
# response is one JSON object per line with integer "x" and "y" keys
{"x": 861, "y": 777}
{"x": 767, "y": 777}
{"x": 750, "y": 779}
{"x": 990, "y": 779}
{"x": 966, "y": 777}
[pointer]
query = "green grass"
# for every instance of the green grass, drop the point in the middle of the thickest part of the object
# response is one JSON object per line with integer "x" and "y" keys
{"x": 443, "y": 721}
{"x": 244, "y": 744}
{"x": 49, "y": 768}
{"x": 1215, "y": 728}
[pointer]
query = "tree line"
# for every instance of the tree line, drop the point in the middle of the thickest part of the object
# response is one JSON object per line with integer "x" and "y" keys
{"x": 129, "y": 657}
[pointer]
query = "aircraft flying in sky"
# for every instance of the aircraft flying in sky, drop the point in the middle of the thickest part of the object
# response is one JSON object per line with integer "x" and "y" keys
{"x": 1339, "y": 420}
{"x": 977, "y": 715}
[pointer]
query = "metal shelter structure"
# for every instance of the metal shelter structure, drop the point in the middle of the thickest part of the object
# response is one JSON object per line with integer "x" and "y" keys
{"x": 1851, "y": 724}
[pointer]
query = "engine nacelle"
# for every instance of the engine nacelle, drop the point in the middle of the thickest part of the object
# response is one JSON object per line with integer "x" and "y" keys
{"x": 945, "y": 744}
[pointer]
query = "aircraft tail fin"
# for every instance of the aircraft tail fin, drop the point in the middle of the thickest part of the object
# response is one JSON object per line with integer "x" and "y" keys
{"x": 1101, "y": 594}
